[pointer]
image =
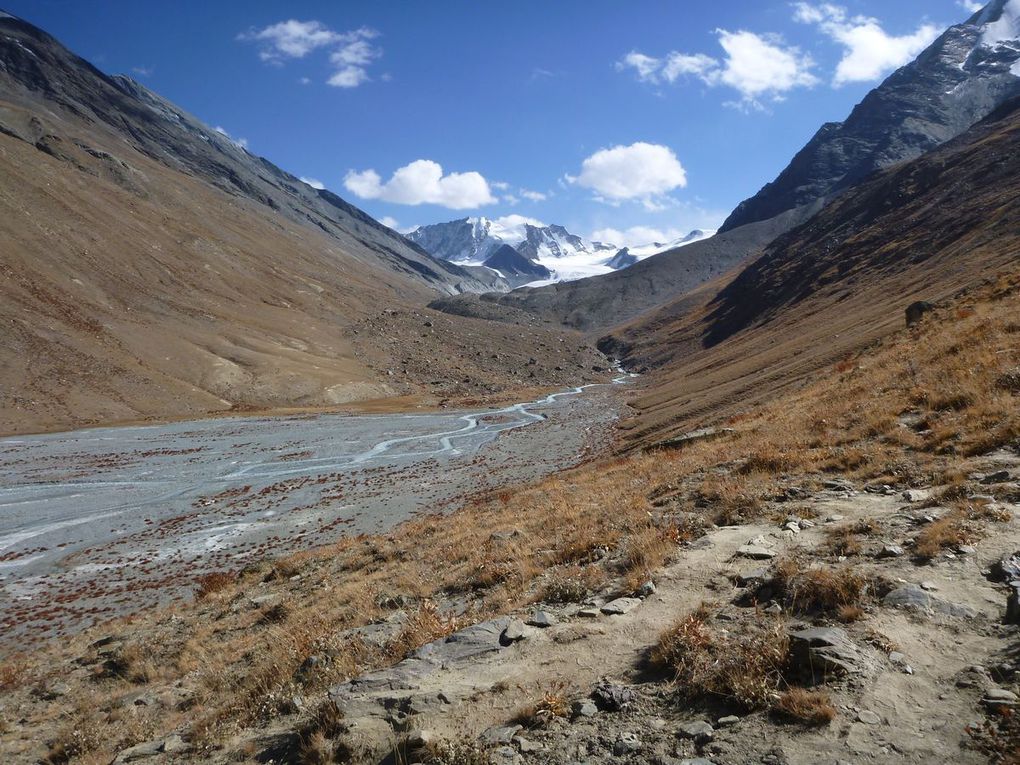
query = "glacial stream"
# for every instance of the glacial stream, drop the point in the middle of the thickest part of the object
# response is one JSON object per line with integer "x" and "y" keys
{"x": 106, "y": 520}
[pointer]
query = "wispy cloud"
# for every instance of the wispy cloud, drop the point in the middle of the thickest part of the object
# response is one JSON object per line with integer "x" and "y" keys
{"x": 350, "y": 53}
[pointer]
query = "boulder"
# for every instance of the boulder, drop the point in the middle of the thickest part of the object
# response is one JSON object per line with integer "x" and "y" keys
{"x": 698, "y": 730}
{"x": 542, "y": 619}
{"x": 820, "y": 651}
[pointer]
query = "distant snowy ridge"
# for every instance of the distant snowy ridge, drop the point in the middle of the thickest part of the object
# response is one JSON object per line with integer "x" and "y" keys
{"x": 472, "y": 241}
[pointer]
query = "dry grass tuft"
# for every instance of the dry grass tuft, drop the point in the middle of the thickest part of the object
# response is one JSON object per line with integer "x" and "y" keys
{"x": 742, "y": 667}
{"x": 810, "y": 707}
{"x": 553, "y": 704}
{"x": 944, "y": 534}
{"x": 819, "y": 589}
{"x": 210, "y": 584}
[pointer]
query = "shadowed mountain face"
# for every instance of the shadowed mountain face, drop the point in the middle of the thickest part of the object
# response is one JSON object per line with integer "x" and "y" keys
{"x": 961, "y": 78}
{"x": 923, "y": 230}
{"x": 37, "y": 74}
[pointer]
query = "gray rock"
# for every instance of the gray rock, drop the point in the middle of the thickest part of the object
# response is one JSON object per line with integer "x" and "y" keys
{"x": 526, "y": 745}
{"x": 621, "y": 606}
{"x": 755, "y": 552}
{"x": 868, "y": 717}
{"x": 752, "y": 577}
{"x": 697, "y": 761}
{"x": 590, "y": 612}
{"x": 585, "y": 708}
{"x": 820, "y": 651}
{"x": 542, "y": 619}
{"x": 999, "y": 697}
{"x": 917, "y": 495}
{"x": 793, "y": 526}
{"x": 173, "y": 744}
{"x": 890, "y": 551}
{"x": 648, "y": 588}
{"x": 139, "y": 752}
{"x": 725, "y": 722}
{"x": 469, "y": 643}
{"x": 627, "y": 743}
{"x": 500, "y": 734}
{"x": 612, "y": 698}
{"x": 913, "y": 597}
{"x": 1000, "y": 476}
{"x": 966, "y": 549}
{"x": 504, "y": 755}
{"x": 514, "y": 632}
{"x": 698, "y": 730}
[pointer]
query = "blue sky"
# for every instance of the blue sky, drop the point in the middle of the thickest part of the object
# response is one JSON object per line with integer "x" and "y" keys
{"x": 630, "y": 120}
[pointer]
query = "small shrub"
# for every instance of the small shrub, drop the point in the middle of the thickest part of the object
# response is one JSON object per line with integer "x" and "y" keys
{"x": 943, "y": 534}
{"x": 806, "y": 706}
{"x": 462, "y": 752}
{"x": 210, "y": 584}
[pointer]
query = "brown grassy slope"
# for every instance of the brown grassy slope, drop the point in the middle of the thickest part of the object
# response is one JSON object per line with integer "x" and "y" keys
{"x": 922, "y": 230}
{"x": 221, "y": 670}
{"x": 131, "y": 290}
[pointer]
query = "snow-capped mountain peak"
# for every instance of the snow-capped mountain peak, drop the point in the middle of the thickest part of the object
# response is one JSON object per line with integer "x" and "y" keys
{"x": 567, "y": 256}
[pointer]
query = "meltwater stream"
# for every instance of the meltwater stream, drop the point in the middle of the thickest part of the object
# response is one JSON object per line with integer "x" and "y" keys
{"x": 104, "y": 521}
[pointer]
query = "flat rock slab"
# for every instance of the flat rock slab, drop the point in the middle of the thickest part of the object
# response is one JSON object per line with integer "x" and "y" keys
{"x": 756, "y": 552}
{"x": 913, "y": 597}
{"x": 621, "y": 606}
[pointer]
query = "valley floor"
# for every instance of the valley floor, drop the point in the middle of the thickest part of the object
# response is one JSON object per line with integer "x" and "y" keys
{"x": 105, "y": 522}
{"x": 822, "y": 579}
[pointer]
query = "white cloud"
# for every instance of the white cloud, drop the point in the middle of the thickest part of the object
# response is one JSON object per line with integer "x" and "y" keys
{"x": 756, "y": 66}
{"x": 970, "y": 5}
{"x": 389, "y": 222}
{"x": 534, "y": 196}
{"x": 422, "y": 182}
{"x": 868, "y": 50}
{"x": 642, "y": 171}
{"x": 350, "y": 52}
{"x": 315, "y": 183}
{"x": 241, "y": 142}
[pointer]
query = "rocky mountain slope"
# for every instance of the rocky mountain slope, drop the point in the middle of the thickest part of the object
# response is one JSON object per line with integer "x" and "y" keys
{"x": 153, "y": 268}
{"x": 601, "y": 302}
{"x": 963, "y": 76}
{"x": 38, "y": 73}
{"x": 922, "y": 230}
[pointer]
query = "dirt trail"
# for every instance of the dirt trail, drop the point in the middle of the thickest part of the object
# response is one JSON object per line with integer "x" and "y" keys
{"x": 921, "y": 715}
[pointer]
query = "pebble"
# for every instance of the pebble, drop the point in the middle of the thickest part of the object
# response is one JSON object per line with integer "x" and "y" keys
{"x": 929, "y": 586}
{"x": 585, "y": 708}
{"x": 966, "y": 549}
{"x": 722, "y": 722}
{"x": 916, "y": 495}
{"x": 589, "y": 613}
{"x": 627, "y": 743}
{"x": 648, "y": 588}
{"x": 500, "y": 734}
{"x": 699, "y": 730}
{"x": 890, "y": 551}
